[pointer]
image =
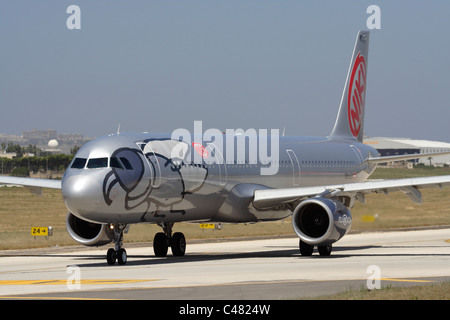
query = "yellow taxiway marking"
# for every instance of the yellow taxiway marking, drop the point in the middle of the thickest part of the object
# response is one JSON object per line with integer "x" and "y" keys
{"x": 49, "y": 298}
{"x": 64, "y": 282}
{"x": 405, "y": 280}
{"x": 448, "y": 240}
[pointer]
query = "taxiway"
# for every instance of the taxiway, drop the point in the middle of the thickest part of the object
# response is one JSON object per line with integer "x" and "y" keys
{"x": 251, "y": 269}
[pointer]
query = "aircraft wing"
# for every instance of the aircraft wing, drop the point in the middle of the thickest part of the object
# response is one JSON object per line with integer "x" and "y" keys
{"x": 411, "y": 187}
{"x": 33, "y": 183}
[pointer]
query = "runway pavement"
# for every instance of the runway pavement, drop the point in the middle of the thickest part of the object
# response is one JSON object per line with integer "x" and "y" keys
{"x": 252, "y": 269}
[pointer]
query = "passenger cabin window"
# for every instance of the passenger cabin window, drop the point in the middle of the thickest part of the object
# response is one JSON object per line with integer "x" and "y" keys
{"x": 95, "y": 163}
{"x": 78, "y": 163}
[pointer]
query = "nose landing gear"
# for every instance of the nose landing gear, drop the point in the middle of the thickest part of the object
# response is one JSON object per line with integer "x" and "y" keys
{"x": 161, "y": 243}
{"x": 118, "y": 253}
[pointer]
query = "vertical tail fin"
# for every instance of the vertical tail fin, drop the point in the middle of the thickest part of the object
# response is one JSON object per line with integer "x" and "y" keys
{"x": 350, "y": 120}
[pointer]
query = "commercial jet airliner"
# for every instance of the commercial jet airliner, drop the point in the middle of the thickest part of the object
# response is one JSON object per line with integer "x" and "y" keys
{"x": 126, "y": 178}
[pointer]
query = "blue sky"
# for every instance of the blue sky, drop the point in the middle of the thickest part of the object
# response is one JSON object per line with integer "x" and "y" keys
{"x": 159, "y": 65}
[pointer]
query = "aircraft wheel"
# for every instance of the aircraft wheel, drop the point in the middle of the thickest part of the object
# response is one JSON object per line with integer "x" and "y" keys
{"x": 111, "y": 256}
{"x": 122, "y": 256}
{"x": 178, "y": 244}
{"x": 160, "y": 245}
{"x": 325, "y": 250}
{"x": 306, "y": 249}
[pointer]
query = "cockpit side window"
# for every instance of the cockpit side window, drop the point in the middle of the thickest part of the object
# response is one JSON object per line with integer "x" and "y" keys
{"x": 115, "y": 163}
{"x": 95, "y": 163}
{"x": 78, "y": 163}
{"x": 126, "y": 163}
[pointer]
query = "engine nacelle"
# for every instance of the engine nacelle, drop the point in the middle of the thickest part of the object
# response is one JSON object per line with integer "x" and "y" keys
{"x": 88, "y": 233}
{"x": 321, "y": 221}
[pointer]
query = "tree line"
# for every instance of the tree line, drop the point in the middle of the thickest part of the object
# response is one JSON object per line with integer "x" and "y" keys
{"x": 24, "y": 166}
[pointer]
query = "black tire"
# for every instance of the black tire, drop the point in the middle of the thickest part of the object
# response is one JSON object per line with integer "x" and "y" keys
{"x": 111, "y": 256}
{"x": 178, "y": 244}
{"x": 122, "y": 256}
{"x": 160, "y": 245}
{"x": 325, "y": 250}
{"x": 306, "y": 249}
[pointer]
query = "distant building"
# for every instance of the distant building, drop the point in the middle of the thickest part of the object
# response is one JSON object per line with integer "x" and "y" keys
{"x": 40, "y": 135}
{"x": 9, "y": 155}
{"x": 52, "y": 147}
{"x": 41, "y": 138}
{"x": 399, "y": 146}
{"x": 71, "y": 137}
{"x": 5, "y": 138}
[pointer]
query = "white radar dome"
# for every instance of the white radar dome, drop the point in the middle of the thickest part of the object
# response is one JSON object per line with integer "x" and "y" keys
{"x": 53, "y": 144}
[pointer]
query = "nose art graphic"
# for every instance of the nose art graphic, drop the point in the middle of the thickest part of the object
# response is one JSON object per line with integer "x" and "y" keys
{"x": 164, "y": 167}
{"x": 127, "y": 170}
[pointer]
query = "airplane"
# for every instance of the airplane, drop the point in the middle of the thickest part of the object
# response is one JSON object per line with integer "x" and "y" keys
{"x": 129, "y": 178}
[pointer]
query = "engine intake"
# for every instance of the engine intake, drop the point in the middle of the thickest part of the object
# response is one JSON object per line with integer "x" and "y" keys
{"x": 88, "y": 233}
{"x": 321, "y": 221}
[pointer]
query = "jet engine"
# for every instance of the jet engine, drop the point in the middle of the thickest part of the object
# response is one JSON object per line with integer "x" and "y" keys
{"x": 321, "y": 221}
{"x": 88, "y": 233}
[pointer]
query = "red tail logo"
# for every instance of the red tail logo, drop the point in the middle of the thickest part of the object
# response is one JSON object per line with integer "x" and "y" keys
{"x": 356, "y": 95}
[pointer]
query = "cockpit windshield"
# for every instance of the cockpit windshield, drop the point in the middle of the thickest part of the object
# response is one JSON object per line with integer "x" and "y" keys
{"x": 95, "y": 163}
{"x": 79, "y": 163}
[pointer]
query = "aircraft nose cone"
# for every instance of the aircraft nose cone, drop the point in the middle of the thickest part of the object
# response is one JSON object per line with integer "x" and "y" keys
{"x": 81, "y": 194}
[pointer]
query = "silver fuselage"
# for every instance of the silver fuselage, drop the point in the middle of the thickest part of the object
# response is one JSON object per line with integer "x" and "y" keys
{"x": 133, "y": 178}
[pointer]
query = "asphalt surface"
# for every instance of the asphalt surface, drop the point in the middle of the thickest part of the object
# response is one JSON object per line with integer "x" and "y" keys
{"x": 267, "y": 269}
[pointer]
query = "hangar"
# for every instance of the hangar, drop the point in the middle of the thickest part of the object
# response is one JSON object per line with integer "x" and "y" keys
{"x": 399, "y": 146}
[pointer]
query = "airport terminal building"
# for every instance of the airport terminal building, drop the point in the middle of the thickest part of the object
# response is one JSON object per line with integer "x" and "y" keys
{"x": 399, "y": 146}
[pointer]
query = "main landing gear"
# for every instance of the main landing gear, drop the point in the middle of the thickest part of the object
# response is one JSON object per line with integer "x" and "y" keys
{"x": 164, "y": 240}
{"x": 307, "y": 249}
{"x": 161, "y": 243}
